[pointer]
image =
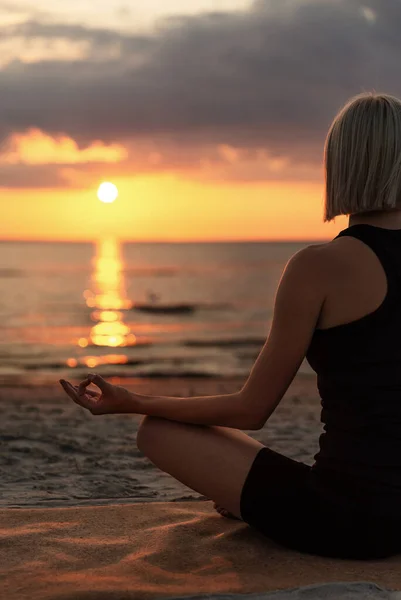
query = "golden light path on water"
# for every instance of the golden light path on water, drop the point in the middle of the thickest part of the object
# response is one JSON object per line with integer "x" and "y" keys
{"x": 107, "y": 299}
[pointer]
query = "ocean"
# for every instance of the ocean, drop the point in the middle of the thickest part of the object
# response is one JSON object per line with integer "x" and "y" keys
{"x": 135, "y": 309}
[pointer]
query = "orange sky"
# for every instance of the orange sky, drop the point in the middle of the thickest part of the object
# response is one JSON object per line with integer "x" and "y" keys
{"x": 201, "y": 202}
{"x": 167, "y": 207}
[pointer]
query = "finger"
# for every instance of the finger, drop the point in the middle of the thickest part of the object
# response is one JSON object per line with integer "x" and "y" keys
{"x": 83, "y": 385}
{"x": 91, "y": 393}
{"x": 99, "y": 381}
{"x": 71, "y": 392}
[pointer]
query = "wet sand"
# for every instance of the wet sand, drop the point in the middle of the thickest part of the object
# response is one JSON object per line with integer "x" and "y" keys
{"x": 53, "y": 453}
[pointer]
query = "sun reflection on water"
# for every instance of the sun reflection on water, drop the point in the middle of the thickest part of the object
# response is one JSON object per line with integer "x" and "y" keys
{"x": 107, "y": 299}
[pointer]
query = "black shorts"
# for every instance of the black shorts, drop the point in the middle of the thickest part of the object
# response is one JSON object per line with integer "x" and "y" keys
{"x": 280, "y": 500}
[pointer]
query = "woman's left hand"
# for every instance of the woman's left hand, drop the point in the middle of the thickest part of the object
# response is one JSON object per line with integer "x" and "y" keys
{"x": 111, "y": 399}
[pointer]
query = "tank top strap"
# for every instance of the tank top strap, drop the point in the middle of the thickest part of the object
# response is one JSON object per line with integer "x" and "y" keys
{"x": 386, "y": 244}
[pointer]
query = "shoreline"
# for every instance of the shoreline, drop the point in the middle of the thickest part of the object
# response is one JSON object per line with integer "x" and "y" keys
{"x": 147, "y": 382}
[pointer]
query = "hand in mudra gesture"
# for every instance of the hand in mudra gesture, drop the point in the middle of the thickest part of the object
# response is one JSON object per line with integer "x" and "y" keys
{"x": 110, "y": 399}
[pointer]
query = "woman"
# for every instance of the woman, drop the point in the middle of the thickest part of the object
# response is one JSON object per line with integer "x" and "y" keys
{"x": 338, "y": 304}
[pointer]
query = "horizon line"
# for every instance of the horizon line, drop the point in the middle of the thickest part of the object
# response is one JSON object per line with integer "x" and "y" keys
{"x": 168, "y": 241}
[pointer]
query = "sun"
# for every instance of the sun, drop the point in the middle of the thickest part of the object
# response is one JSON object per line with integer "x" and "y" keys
{"x": 107, "y": 192}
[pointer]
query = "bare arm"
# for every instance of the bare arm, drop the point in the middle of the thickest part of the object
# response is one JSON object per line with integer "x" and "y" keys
{"x": 298, "y": 303}
{"x": 227, "y": 410}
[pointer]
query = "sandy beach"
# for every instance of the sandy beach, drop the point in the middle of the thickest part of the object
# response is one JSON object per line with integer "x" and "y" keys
{"x": 159, "y": 550}
{"x": 84, "y": 516}
{"x": 53, "y": 453}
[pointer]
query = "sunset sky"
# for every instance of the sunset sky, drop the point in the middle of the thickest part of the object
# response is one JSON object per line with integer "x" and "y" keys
{"x": 209, "y": 116}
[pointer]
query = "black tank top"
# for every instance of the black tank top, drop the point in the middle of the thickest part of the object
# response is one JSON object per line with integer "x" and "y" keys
{"x": 358, "y": 368}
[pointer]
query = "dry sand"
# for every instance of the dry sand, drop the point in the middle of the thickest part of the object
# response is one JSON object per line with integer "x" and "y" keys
{"x": 140, "y": 551}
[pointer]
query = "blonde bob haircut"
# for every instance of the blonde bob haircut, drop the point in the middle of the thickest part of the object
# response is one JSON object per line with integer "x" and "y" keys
{"x": 362, "y": 157}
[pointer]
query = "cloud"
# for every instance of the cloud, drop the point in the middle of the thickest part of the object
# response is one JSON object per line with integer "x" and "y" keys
{"x": 37, "y": 148}
{"x": 26, "y": 177}
{"x": 12, "y": 13}
{"x": 266, "y": 81}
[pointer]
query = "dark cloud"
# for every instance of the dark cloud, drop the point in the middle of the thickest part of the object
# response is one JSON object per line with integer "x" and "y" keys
{"x": 270, "y": 77}
{"x": 26, "y": 176}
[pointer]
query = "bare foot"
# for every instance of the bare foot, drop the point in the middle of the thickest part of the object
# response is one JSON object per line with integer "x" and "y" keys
{"x": 224, "y": 513}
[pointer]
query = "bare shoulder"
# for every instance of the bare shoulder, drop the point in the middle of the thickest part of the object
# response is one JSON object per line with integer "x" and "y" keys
{"x": 343, "y": 256}
{"x": 312, "y": 262}
{"x": 326, "y": 259}
{"x": 343, "y": 267}
{"x": 317, "y": 268}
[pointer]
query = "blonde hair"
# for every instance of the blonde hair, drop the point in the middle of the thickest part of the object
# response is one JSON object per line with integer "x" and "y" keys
{"x": 362, "y": 157}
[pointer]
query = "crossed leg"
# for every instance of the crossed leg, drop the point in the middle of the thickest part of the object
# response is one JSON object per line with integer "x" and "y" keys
{"x": 213, "y": 461}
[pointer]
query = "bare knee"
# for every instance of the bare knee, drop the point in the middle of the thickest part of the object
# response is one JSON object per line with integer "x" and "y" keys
{"x": 149, "y": 430}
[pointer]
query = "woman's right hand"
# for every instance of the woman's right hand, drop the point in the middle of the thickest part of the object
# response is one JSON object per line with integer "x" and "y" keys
{"x": 110, "y": 399}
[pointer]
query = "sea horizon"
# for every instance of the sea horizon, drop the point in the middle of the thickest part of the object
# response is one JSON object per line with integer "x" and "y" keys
{"x": 167, "y": 241}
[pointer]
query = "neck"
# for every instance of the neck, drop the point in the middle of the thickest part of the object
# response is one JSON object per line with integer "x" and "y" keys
{"x": 386, "y": 219}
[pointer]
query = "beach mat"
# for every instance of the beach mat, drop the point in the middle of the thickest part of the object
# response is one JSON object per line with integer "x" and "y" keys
{"x": 158, "y": 550}
{"x": 325, "y": 591}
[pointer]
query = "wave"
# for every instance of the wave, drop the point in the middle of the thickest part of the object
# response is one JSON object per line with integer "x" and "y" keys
{"x": 11, "y": 273}
{"x": 233, "y": 342}
{"x": 153, "y": 271}
{"x": 183, "y": 308}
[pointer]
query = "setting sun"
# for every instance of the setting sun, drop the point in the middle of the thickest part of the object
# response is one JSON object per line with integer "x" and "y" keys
{"x": 107, "y": 192}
